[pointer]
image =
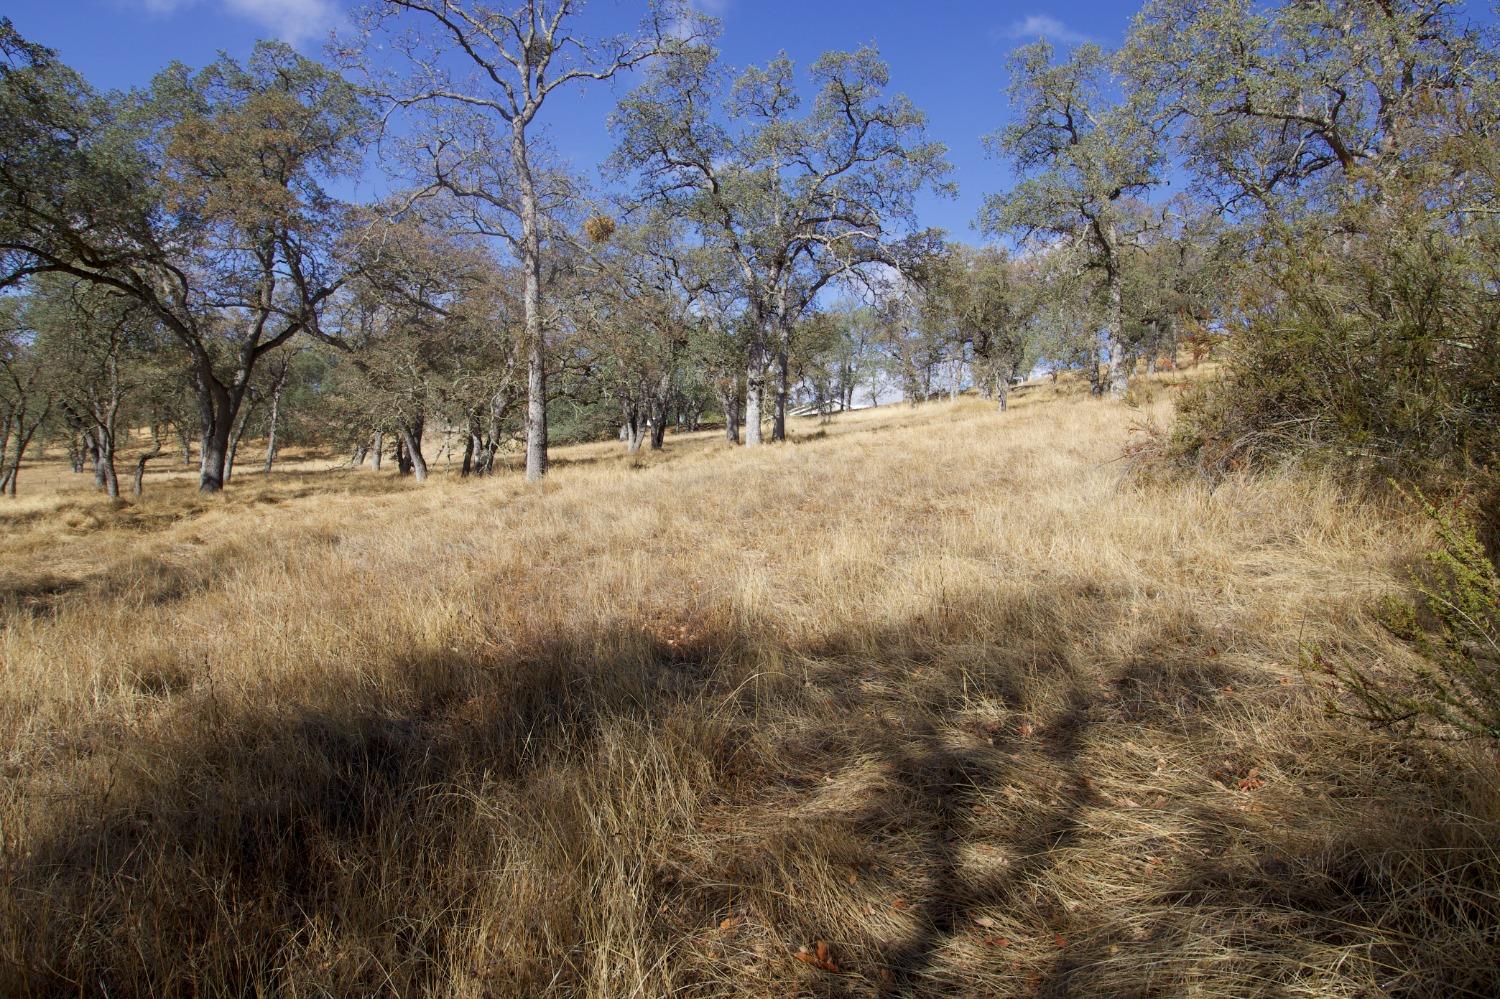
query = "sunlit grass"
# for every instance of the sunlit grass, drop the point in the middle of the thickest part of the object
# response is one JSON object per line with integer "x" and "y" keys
{"x": 946, "y": 689}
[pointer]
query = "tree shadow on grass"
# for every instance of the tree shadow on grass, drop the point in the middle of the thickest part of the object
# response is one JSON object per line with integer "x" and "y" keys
{"x": 511, "y": 824}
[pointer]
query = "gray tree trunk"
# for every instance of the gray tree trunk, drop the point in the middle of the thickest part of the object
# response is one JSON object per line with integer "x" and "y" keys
{"x": 107, "y": 467}
{"x": 96, "y": 456}
{"x": 531, "y": 300}
{"x": 411, "y": 439}
{"x": 275, "y": 419}
{"x": 218, "y": 407}
{"x": 729, "y": 402}
{"x": 783, "y": 375}
{"x": 1114, "y": 333}
{"x": 140, "y": 463}
{"x": 213, "y": 454}
{"x": 234, "y": 439}
{"x": 377, "y": 450}
{"x": 755, "y": 394}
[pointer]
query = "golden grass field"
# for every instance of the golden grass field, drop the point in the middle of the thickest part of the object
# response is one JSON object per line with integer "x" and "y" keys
{"x": 930, "y": 701}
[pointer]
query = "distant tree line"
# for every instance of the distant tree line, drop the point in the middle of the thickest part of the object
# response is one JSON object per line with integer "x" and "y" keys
{"x": 178, "y": 266}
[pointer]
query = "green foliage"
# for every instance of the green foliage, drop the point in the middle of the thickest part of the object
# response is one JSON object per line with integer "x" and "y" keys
{"x": 1379, "y": 353}
{"x": 1278, "y": 104}
{"x": 1455, "y": 626}
{"x": 1083, "y": 157}
{"x": 985, "y": 302}
{"x": 796, "y": 198}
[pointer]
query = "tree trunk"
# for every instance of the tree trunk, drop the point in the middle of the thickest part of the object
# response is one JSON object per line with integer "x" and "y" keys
{"x": 758, "y": 361}
{"x": 96, "y": 456}
{"x": 531, "y": 299}
{"x": 1114, "y": 333}
{"x": 10, "y": 474}
{"x": 185, "y": 443}
{"x": 217, "y": 406}
{"x": 213, "y": 453}
{"x": 234, "y": 439}
{"x": 468, "y": 463}
{"x": 140, "y": 463}
{"x": 275, "y": 419}
{"x": 661, "y": 412}
{"x": 755, "y": 395}
{"x": 377, "y": 450}
{"x": 107, "y": 466}
{"x": 783, "y": 391}
{"x": 633, "y": 431}
{"x": 415, "y": 464}
{"x": 729, "y": 402}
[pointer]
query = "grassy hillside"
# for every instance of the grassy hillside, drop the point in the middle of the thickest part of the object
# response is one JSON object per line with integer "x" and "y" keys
{"x": 929, "y": 702}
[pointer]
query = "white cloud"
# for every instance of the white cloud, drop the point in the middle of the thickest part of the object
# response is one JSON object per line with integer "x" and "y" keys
{"x": 294, "y": 21}
{"x": 1048, "y": 27}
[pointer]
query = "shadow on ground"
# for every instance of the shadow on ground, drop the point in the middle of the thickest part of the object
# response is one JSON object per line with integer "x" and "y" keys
{"x": 618, "y": 812}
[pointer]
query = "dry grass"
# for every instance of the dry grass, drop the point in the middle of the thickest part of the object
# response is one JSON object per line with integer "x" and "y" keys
{"x": 937, "y": 688}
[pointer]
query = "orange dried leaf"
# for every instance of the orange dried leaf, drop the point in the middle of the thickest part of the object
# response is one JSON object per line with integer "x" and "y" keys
{"x": 818, "y": 958}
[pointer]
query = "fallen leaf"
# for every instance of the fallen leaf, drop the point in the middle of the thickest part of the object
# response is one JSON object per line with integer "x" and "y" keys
{"x": 730, "y": 922}
{"x": 818, "y": 957}
{"x": 1060, "y": 940}
{"x": 986, "y": 922}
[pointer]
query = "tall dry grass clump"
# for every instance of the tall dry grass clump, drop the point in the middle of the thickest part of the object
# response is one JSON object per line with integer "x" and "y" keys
{"x": 927, "y": 702}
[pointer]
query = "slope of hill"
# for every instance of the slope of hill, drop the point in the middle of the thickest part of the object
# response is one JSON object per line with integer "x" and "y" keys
{"x": 927, "y": 702}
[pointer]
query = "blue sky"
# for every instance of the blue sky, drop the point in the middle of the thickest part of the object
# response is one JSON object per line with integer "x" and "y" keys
{"x": 947, "y": 55}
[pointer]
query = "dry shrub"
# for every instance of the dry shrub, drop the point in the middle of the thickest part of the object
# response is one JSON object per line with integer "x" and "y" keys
{"x": 1377, "y": 354}
{"x": 1452, "y": 690}
{"x": 935, "y": 701}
